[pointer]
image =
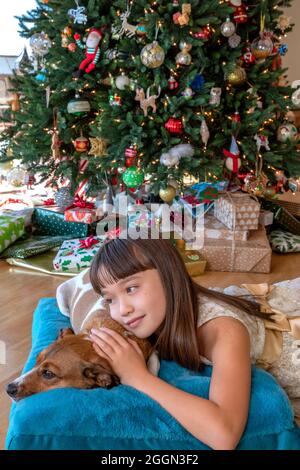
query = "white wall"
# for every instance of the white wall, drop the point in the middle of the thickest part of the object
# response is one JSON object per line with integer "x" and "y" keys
{"x": 292, "y": 59}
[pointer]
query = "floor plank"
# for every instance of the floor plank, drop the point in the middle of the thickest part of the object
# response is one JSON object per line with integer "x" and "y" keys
{"x": 21, "y": 290}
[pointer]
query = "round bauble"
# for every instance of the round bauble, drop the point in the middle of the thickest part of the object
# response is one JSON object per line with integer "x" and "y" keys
{"x": 228, "y": 28}
{"x": 262, "y": 47}
{"x": 237, "y": 76}
{"x": 133, "y": 177}
{"x": 287, "y": 132}
{"x": 167, "y": 194}
{"x": 152, "y": 55}
{"x": 122, "y": 81}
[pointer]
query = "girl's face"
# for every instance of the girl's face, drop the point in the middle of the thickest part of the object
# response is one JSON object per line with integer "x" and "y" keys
{"x": 137, "y": 302}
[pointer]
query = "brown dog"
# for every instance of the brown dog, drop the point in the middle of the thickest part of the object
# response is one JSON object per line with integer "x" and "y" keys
{"x": 71, "y": 361}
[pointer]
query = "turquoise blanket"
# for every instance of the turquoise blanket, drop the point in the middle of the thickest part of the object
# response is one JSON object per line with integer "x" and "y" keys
{"x": 125, "y": 419}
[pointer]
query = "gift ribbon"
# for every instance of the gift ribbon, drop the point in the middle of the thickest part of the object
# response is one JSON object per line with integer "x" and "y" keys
{"x": 81, "y": 203}
{"x": 49, "y": 202}
{"x": 279, "y": 323}
{"x": 88, "y": 242}
{"x": 235, "y": 159}
{"x": 13, "y": 201}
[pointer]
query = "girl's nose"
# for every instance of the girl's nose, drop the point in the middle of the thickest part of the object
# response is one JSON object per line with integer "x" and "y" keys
{"x": 125, "y": 308}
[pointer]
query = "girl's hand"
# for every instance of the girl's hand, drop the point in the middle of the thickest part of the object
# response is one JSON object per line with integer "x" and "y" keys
{"x": 124, "y": 355}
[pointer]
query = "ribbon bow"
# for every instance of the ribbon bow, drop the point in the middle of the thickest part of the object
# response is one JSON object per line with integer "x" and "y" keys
{"x": 13, "y": 201}
{"x": 88, "y": 242}
{"x": 80, "y": 202}
{"x": 49, "y": 202}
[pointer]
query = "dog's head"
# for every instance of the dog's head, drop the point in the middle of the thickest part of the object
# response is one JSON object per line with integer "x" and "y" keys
{"x": 70, "y": 361}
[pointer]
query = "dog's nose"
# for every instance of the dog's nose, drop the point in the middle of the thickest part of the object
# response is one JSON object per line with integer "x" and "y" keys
{"x": 12, "y": 389}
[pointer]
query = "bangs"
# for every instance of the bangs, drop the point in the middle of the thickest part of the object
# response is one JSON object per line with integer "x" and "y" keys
{"x": 117, "y": 260}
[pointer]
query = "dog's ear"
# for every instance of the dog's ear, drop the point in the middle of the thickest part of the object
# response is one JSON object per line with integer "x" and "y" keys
{"x": 100, "y": 377}
{"x": 65, "y": 332}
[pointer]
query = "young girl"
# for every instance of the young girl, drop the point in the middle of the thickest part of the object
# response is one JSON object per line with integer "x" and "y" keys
{"x": 148, "y": 290}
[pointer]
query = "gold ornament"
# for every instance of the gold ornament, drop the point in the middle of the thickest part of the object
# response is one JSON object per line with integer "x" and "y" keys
{"x": 152, "y": 55}
{"x": 98, "y": 147}
{"x": 284, "y": 22}
{"x": 167, "y": 194}
{"x": 237, "y": 76}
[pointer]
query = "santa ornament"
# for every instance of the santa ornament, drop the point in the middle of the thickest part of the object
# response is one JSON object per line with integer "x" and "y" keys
{"x": 92, "y": 51}
{"x": 233, "y": 161}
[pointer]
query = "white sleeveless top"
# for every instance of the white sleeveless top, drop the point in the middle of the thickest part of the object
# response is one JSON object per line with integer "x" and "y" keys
{"x": 210, "y": 309}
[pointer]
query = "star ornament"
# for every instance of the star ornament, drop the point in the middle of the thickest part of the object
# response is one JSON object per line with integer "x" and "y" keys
{"x": 98, "y": 147}
{"x": 284, "y": 22}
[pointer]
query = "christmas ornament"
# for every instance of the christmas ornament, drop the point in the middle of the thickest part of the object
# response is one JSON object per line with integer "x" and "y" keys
{"x": 115, "y": 100}
{"x": 183, "y": 18}
{"x": 167, "y": 194}
{"x": 92, "y": 51}
{"x": 81, "y": 144}
{"x": 173, "y": 156}
{"x": 283, "y": 48}
{"x": 296, "y": 94}
{"x": 131, "y": 152}
{"x": 78, "y": 106}
{"x": 55, "y": 140}
{"x": 188, "y": 92}
{"x": 198, "y": 82}
{"x": 233, "y": 161}
{"x": 16, "y": 177}
{"x": 133, "y": 177}
{"x": 236, "y": 76}
{"x": 126, "y": 28}
{"x": 228, "y": 28}
{"x": 262, "y": 47}
{"x": 174, "y": 125}
{"x": 204, "y": 33}
{"x": 152, "y": 55}
{"x": 148, "y": 101}
{"x": 204, "y": 132}
{"x": 262, "y": 141}
{"x": 183, "y": 57}
{"x": 113, "y": 54}
{"x": 72, "y": 47}
{"x": 236, "y": 117}
{"x": 284, "y": 22}
{"x": 141, "y": 29}
{"x": 235, "y": 3}
{"x": 41, "y": 76}
{"x": 240, "y": 15}
{"x": 122, "y": 81}
{"x": 215, "y": 96}
{"x": 15, "y": 103}
{"x": 78, "y": 14}
{"x": 63, "y": 198}
{"x": 65, "y": 36}
{"x": 129, "y": 162}
{"x": 98, "y": 146}
{"x": 248, "y": 58}
{"x": 172, "y": 83}
{"x": 256, "y": 185}
{"x": 234, "y": 41}
{"x": 40, "y": 44}
{"x": 287, "y": 132}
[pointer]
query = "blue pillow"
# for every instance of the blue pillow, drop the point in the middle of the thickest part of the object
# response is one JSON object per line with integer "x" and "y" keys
{"x": 125, "y": 419}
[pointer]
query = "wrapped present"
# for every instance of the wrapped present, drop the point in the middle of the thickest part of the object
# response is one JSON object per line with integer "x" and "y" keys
{"x": 50, "y": 221}
{"x": 266, "y": 218}
{"x": 253, "y": 255}
{"x": 282, "y": 217}
{"x": 237, "y": 211}
{"x": 32, "y": 246}
{"x": 81, "y": 215}
{"x": 75, "y": 255}
{"x": 26, "y": 213}
{"x": 193, "y": 260}
{"x": 216, "y": 230}
{"x": 11, "y": 228}
{"x": 141, "y": 217}
{"x": 284, "y": 242}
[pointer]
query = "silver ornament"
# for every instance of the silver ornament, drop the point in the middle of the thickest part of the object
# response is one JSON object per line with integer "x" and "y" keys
{"x": 234, "y": 41}
{"x": 40, "y": 44}
{"x": 228, "y": 28}
{"x": 152, "y": 55}
{"x": 122, "y": 81}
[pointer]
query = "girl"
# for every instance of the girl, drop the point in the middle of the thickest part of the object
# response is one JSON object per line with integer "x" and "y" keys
{"x": 148, "y": 290}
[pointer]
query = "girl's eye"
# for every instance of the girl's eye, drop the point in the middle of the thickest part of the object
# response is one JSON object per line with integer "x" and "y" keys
{"x": 131, "y": 288}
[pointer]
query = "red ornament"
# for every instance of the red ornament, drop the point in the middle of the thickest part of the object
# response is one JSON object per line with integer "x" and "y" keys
{"x": 173, "y": 84}
{"x": 203, "y": 34}
{"x": 174, "y": 126}
{"x": 81, "y": 144}
{"x": 72, "y": 47}
{"x": 236, "y": 117}
{"x": 248, "y": 57}
{"x": 240, "y": 15}
{"x": 131, "y": 152}
{"x": 129, "y": 162}
{"x": 114, "y": 180}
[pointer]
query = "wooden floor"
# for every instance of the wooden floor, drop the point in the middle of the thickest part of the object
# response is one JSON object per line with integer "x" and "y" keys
{"x": 21, "y": 289}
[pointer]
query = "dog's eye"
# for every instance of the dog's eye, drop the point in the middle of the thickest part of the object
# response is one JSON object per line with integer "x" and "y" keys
{"x": 47, "y": 374}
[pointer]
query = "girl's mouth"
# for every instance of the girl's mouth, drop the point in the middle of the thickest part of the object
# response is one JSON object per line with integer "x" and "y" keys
{"x": 135, "y": 322}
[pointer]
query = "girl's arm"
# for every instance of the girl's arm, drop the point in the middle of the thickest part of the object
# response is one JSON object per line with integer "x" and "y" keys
{"x": 218, "y": 422}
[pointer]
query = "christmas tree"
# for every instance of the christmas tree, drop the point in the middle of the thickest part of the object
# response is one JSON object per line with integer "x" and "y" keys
{"x": 161, "y": 91}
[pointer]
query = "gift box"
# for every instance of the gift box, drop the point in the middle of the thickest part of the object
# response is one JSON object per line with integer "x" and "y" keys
{"x": 50, "y": 221}
{"x": 266, "y": 218}
{"x": 213, "y": 228}
{"x": 23, "y": 213}
{"x": 237, "y": 211}
{"x": 193, "y": 260}
{"x": 284, "y": 242}
{"x": 253, "y": 255}
{"x": 32, "y": 246}
{"x": 282, "y": 217}
{"x": 141, "y": 217}
{"x": 11, "y": 228}
{"x": 75, "y": 255}
{"x": 81, "y": 215}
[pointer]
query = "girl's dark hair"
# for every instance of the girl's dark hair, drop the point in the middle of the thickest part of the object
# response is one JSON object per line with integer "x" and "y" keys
{"x": 177, "y": 337}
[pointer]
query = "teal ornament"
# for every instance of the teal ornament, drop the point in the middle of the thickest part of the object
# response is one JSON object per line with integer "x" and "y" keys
{"x": 41, "y": 76}
{"x": 133, "y": 177}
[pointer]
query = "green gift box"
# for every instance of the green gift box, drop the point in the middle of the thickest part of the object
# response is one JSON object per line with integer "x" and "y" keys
{"x": 48, "y": 221}
{"x": 32, "y": 246}
{"x": 11, "y": 228}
